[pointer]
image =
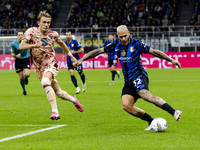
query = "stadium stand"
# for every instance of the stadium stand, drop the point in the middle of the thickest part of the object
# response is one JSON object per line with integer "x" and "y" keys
{"x": 102, "y": 13}
{"x": 13, "y": 16}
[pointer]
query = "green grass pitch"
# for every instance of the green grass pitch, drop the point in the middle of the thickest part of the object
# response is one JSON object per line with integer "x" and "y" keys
{"x": 103, "y": 124}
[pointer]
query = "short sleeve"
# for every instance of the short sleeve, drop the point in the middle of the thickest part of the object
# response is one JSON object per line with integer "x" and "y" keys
{"x": 28, "y": 34}
{"x": 104, "y": 44}
{"x": 77, "y": 44}
{"x": 143, "y": 48}
{"x": 13, "y": 48}
{"x": 110, "y": 47}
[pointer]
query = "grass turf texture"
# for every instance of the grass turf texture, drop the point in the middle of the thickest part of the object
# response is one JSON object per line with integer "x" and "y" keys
{"x": 103, "y": 124}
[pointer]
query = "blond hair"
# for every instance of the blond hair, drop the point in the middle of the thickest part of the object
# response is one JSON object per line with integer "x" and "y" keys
{"x": 43, "y": 14}
{"x": 122, "y": 28}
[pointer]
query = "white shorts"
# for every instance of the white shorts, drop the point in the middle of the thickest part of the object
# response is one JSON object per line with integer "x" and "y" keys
{"x": 51, "y": 69}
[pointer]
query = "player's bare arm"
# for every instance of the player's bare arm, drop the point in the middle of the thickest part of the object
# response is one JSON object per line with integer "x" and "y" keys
{"x": 66, "y": 50}
{"x": 73, "y": 52}
{"x": 24, "y": 45}
{"x": 80, "y": 50}
{"x": 162, "y": 55}
{"x": 89, "y": 55}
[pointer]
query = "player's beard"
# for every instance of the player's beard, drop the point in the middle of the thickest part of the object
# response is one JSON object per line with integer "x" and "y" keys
{"x": 126, "y": 42}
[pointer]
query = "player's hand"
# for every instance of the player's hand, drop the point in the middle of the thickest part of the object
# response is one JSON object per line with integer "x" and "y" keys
{"x": 63, "y": 57}
{"x": 18, "y": 56}
{"x": 38, "y": 44}
{"x": 73, "y": 59}
{"x": 106, "y": 56}
{"x": 77, "y": 63}
{"x": 72, "y": 51}
{"x": 176, "y": 63}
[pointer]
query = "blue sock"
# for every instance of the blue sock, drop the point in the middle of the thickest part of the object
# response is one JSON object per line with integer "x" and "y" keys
{"x": 74, "y": 81}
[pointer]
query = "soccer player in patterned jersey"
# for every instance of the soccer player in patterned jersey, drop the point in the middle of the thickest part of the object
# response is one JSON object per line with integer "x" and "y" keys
{"x": 136, "y": 79}
{"x": 75, "y": 49}
{"x": 22, "y": 62}
{"x": 112, "y": 60}
{"x": 41, "y": 40}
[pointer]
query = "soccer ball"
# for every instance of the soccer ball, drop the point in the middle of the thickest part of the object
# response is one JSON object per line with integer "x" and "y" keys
{"x": 159, "y": 125}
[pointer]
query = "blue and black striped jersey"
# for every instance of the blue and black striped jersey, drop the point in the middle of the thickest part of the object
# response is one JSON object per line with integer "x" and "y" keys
{"x": 111, "y": 55}
{"x": 130, "y": 57}
{"x": 73, "y": 45}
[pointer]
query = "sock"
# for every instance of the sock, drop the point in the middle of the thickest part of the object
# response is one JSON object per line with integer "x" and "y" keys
{"x": 74, "y": 81}
{"x": 113, "y": 75}
{"x": 55, "y": 110}
{"x": 23, "y": 85}
{"x": 168, "y": 108}
{"x": 51, "y": 96}
{"x": 147, "y": 117}
{"x": 83, "y": 78}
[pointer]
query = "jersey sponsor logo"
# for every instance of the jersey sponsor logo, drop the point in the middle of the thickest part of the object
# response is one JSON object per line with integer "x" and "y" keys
{"x": 131, "y": 49}
{"x": 125, "y": 59}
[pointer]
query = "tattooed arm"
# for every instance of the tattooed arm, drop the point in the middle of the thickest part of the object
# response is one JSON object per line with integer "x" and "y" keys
{"x": 162, "y": 55}
{"x": 89, "y": 55}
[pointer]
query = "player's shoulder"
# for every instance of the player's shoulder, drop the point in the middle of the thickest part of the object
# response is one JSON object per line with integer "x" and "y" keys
{"x": 15, "y": 42}
{"x": 31, "y": 30}
{"x": 53, "y": 33}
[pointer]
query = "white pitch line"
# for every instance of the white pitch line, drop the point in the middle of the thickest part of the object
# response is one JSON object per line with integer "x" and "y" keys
{"x": 26, "y": 125}
{"x": 29, "y": 133}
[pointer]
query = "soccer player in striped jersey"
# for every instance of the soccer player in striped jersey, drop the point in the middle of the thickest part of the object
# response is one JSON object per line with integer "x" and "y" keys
{"x": 22, "y": 61}
{"x": 136, "y": 79}
{"x": 41, "y": 42}
{"x": 75, "y": 48}
{"x": 112, "y": 60}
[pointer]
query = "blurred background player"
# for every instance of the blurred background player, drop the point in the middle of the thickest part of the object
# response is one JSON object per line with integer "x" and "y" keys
{"x": 112, "y": 59}
{"x": 43, "y": 56}
{"x": 75, "y": 48}
{"x": 22, "y": 61}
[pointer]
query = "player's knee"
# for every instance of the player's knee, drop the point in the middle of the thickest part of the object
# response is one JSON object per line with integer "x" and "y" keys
{"x": 126, "y": 106}
{"x": 60, "y": 93}
{"x": 45, "y": 82}
{"x": 27, "y": 74}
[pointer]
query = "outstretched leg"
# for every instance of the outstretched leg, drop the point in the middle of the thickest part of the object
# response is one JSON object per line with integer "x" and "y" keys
{"x": 147, "y": 96}
{"x": 65, "y": 96}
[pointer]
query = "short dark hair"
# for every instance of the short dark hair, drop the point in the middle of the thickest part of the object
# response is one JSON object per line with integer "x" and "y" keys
{"x": 20, "y": 31}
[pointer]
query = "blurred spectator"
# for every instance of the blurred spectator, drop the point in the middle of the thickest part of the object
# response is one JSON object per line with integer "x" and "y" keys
{"x": 13, "y": 16}
{"x": 130, "y": 12}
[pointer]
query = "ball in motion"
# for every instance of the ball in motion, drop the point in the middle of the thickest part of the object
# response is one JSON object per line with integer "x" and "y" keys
{"x": 159, "y": 125}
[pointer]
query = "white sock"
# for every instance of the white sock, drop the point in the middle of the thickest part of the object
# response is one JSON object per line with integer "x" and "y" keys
{"x": 55, "y": 110}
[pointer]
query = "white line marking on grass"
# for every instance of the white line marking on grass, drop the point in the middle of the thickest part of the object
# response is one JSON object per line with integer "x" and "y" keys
{"x": 29, "y": 133}
{"x": 26, "y": 125}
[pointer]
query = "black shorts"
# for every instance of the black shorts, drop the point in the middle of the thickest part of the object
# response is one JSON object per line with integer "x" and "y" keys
{"x": 21, "y": 64}
{"x": 131, "y": 87}
{"x": 112, "y": 62}
{"x": 78, "y": 68}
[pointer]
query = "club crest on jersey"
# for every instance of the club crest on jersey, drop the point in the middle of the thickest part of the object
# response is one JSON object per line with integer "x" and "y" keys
{"x": 131, "y": 49}
{"x": 124, "y": 53}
